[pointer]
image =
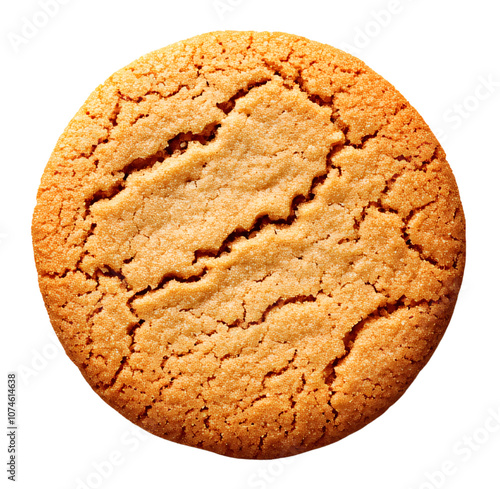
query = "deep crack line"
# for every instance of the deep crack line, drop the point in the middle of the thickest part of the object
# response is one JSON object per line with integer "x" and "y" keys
{"x": 351, "y": 336}
{"x": 259, "y": 225}
{"x": 132, "y": 330}
{"x": 176, "y": 146}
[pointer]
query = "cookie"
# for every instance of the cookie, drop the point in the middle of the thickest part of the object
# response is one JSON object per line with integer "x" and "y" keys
{"x": 249, "y": 243}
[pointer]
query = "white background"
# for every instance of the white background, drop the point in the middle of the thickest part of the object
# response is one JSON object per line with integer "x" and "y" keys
{"x": 440, "y": 55}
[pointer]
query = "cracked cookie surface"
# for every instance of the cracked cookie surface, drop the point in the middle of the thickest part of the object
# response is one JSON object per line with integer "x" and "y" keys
{"x": 249, "y": 243}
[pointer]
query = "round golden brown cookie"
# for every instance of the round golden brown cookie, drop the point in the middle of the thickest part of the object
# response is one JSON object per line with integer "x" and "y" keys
{"x": 249, "y": 243}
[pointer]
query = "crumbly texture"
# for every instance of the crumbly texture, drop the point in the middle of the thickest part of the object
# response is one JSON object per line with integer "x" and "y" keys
{"x": 249, "y": 243}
